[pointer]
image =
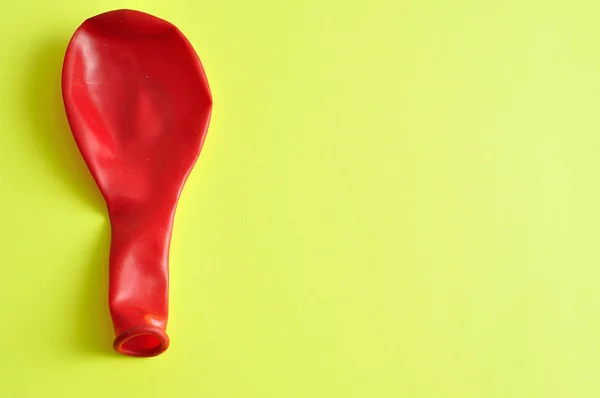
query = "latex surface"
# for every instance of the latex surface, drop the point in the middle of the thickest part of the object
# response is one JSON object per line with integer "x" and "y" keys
{"x": 139, "y": 105}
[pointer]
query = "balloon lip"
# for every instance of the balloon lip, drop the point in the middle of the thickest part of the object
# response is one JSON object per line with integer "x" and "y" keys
{"x": 137, "y": 331}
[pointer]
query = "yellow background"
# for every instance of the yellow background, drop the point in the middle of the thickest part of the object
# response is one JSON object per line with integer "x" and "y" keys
{"x": 395, "y": 199}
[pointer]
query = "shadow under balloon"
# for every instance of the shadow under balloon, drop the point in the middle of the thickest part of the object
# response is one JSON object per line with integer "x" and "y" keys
{"x": 92, "y": 332}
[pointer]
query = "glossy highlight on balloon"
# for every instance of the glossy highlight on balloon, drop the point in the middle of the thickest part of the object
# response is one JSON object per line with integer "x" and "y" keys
{"x": 139, "y": 106}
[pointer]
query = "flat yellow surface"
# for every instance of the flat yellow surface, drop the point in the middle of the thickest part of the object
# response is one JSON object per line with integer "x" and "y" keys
{"x": 396, "y": 199}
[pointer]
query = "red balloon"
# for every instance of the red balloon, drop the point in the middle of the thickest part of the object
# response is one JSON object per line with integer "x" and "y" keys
{"x": 139, "y": 105}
